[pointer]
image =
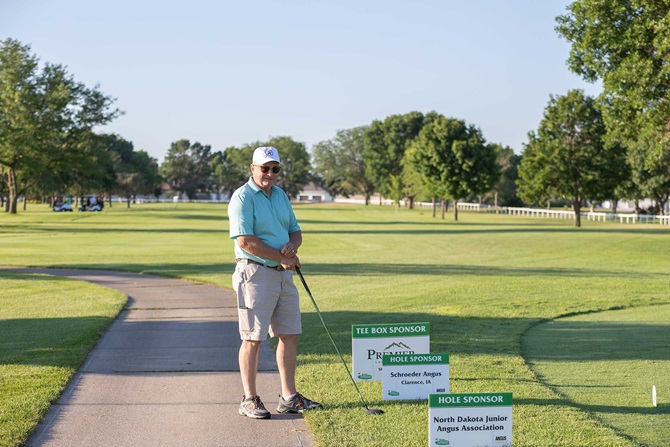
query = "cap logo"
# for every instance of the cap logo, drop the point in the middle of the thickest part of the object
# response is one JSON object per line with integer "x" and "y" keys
{"x": 265, "y": 154}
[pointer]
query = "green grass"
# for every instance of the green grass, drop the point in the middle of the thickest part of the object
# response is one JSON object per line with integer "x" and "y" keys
{"x": 47, "y": 327}
{"x": 486, "y": 284}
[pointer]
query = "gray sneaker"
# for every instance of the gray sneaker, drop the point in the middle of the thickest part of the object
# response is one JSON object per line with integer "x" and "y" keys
{"x": 298, "y": 404}
{"x": 252, "y": 407}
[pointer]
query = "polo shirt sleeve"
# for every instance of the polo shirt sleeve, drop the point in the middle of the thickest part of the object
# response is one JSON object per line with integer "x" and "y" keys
{"x": 241, "y": 214}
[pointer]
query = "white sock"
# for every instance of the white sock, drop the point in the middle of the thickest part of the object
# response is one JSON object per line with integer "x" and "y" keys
{"x": 290, "y": 397}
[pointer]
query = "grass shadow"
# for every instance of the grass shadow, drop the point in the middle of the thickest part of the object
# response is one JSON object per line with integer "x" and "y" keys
{"x": 474, "y": 336}
{"x": 614, "y": 409}
{"x": 573, "y": 341}
{"x": 370, "y": 269}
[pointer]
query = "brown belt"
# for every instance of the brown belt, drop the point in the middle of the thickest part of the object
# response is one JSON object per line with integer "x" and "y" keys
{"x": 251, "y": 261}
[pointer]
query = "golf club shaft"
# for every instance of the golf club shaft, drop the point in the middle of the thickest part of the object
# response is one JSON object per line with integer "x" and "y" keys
{"x": 318, "y": 312}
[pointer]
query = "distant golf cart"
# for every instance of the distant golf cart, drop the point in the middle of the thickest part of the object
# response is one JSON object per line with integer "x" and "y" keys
{"x": 61, "y": 205}
{"x": 91, "y": 203}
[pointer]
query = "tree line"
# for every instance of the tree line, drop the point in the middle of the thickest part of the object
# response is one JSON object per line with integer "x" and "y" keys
{"x": 192, "y": 168}
{"x": 617, "y": 145}
{"x": 585, "y": 150}
{"x": 48, "y": 147}
{"x": 47, "y": 142}
{"x": 416, "y": 157}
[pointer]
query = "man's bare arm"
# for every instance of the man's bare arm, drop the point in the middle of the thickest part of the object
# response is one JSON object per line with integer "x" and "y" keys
{"x": 286, "y": 256}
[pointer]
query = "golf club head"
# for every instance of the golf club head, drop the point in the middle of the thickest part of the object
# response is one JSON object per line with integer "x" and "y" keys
{"x": 372, "y": 411}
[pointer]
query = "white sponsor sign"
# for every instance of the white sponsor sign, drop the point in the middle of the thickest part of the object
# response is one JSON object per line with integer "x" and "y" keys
{"x": 470, "y": 420}
{"x": 414, "y": 376}
{"x": 369, "y": 343}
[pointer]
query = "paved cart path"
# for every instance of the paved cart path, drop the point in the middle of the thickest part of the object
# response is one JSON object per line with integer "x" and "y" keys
{"x": 166, "y": 374}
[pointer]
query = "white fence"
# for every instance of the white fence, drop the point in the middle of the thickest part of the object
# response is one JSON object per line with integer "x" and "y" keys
{"x": 515, "y": 211}
{"x": 539, "y": 212}
{"x": 535, "y": 212}
{"x": 565, "y": 214}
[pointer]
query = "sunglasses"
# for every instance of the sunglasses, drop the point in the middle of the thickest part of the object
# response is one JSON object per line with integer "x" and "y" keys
{"x": 266, "y": 169}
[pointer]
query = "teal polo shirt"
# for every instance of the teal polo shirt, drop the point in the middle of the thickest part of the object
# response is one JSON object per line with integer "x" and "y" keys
{"x": 271, "y": 219}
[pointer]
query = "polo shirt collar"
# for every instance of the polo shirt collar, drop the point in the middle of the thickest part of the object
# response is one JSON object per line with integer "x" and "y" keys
{"x": 257, "y": 188}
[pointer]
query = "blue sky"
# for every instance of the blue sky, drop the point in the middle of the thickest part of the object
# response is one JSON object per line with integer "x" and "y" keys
{"x": 229, "y": 73}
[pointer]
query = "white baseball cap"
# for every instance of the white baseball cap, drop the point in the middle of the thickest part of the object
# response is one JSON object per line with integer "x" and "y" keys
{"x": 264, "y": 155}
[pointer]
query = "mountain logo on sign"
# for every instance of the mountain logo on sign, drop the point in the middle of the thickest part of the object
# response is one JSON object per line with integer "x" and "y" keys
{"x": 397, "y": 345}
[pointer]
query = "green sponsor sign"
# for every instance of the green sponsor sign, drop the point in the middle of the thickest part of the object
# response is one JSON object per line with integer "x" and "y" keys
{"x": 470, "y": 400}
{"x": 414, "y": 376}
{"x": 370, "y": 342}
{"x": 390, "y": 330}
{"x": 415, "y": 359}
{"x": 470, "y": 420}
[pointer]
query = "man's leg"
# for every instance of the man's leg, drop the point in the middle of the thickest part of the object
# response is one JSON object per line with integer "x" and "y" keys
{"x": 290, "y": 401}
{"x": 286, "y": 319}
{"x": 251, "y": 405}
{"x": 287, "y": 353}
{"x": 248, "y": 359}
{"x": 253, "y": 320}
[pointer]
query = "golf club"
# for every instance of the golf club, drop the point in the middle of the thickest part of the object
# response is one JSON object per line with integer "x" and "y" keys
{"x": 369, "y": 410}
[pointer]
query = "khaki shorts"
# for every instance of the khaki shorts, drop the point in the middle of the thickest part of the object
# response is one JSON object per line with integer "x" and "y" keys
{"x": 267, "y": 302}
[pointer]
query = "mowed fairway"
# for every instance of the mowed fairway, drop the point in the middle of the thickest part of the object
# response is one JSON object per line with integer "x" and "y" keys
{"x": 484, "y": 284}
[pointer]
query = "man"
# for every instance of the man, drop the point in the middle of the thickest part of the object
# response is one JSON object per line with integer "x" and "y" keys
{"x": 267, "y": 237}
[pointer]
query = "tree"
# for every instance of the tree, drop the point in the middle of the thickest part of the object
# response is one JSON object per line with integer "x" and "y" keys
{"x": 3, "y": 188}
{"x": 339, "y": 164}
{"x": 377, "y": 166}
{"x": 414, "y": 183}
{"x": 46, "y": 118}
{"x": 395, "y": 190}
{"x": 385, "y": 145}
{"x": 114, "y": 167}
{"x": 504, "y": 190}
{"x": 138, "y": 177}
{"x": 217, "y": 167}
{"x": 419, "y": 185}
{"x": 455, "y": 156}
{"x": 202, "y": 157}
{"x": 624, "y": 43}
{"x": 534, "y": 171}
{"x": 613, "y": 176}
{"x": 327, "y": 170}
{"x": 295, "y": 173}
{"x": 92, "y": 171}
{"x": 230, "y": 169}
{"x": 650, "y": 175}
{"x": 187, "y": 167}
{"x": 118, "y": 154}
{"x": 568, "y": 156}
